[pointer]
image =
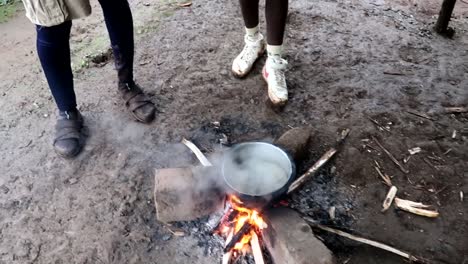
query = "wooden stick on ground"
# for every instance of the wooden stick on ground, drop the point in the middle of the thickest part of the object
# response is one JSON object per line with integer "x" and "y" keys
{"x": 402, "y": 168}
{"x": 366, "y": 241}
{"x": 256, "y": 249}
{"x": 385, "y": 178}
{"x": 420, "y": 115}
{"x": 200, "y": 156}
{"x": 324, "y": 159}
{"x": 415, "y": 208}
{"x": 227, "y": 256}
{"x": 389, "y": 199}
{"x": 456, "y": 110}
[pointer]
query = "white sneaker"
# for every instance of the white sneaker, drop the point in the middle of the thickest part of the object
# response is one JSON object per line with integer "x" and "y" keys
{"x": 253, "y": 50}
{"x": 273, "y": 73}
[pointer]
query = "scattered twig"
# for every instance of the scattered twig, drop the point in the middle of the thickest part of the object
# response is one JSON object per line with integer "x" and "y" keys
{"x": 366, "y": 241}
{"x": 403, "y": 169}
{"x": 324, "y": 159}
{"x": 393, "y": 73}
{"x": 454, "y": 134}
{"x": 415, "y": 150}
{"x": 415, "y": 208}
{"x": 200, "y": 156}
{"x": 185, "y": 4}
{"x": 430, "y": 164}
{"x": 389, "y": 199}
{"x": 456, "y": 110}
{"x": 447, "y": 152}
{"x": 386, "y": 179}
{"x": 378, "y": 124}
{"x": 420, "y": 115}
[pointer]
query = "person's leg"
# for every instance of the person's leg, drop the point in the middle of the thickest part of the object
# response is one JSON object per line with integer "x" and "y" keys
{"x": 276, "y": 12}
{"x": 254, "y": 42}
{"x": 53, "y": 49}
{"x": 273, "y": 72}
{"x": 249, "y": 10}
{"x": 119, "y": 22}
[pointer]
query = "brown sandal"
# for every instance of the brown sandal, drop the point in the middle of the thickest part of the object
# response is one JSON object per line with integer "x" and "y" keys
{"x": 137, "y": 102}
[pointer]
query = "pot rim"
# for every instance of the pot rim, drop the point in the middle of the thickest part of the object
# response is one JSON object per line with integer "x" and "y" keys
{"x": 291, "y": 169}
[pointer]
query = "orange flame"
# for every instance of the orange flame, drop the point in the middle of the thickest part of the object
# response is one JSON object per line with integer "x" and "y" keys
{"x": 245, "y": 215}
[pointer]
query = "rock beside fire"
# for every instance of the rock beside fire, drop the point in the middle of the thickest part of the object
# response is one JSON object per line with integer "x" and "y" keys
{"x": 181, "y": 195}
{"x": 295, "y": 141}
{"x": 290, "y": 240}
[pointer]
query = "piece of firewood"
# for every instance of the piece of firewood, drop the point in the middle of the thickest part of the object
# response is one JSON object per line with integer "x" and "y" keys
{"x": 256, "y": 248}
{"x": 389, "y": 199}
{"x": 324, "y": 159}
{"x": 402, "y": 168}
{"x": 366, "y": 241}
{"x": 200, "y": 156}
{"x": 415, "y": 208}
{"x": 227, "y": 256}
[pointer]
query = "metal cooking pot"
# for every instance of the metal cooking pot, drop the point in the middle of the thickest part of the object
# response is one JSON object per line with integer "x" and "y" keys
{"x": 257, "y": 172}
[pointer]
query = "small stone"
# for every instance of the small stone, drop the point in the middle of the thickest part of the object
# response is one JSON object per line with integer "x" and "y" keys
{"x": 166, "y": 237}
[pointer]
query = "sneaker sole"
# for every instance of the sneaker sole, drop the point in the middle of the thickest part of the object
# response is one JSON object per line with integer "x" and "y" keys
{"x": 242, "y": 75}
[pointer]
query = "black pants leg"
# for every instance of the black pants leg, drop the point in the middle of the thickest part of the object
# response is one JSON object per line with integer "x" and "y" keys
{"x": 119, "y": 22}
{"x": 276, "y": 12}
{"x": 53, "y": 49}
{"x": 249, "y": 10}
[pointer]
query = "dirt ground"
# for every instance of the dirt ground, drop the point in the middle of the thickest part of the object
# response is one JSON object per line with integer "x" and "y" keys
{"x": 350, "y": 62}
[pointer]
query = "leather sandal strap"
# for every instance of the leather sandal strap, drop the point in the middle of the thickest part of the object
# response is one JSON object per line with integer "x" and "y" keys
{"x": 68, "y": 129}
{"x": 135, "y": 98}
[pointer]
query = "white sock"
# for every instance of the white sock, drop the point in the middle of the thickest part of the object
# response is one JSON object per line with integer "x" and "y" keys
{"x": 275, "y": 50}
{"x": 252, "y": 33}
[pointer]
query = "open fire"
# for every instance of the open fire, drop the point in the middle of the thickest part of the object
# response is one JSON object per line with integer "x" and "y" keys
{"x": 242, "y": 228}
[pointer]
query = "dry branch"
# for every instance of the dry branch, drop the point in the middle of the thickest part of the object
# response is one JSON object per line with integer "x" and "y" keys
{"x": 403, "y": 169}
{"x": 200, "y": 156}
{"x": 420, "y": 115}
{"x": 415, "y": 208}
{"x": 324, "y": 159}
{"x": 365, "y": 241}
{"x": 256, "y": 248}
{"x": 386, "y": 179}
{"x": 389, "y": 199}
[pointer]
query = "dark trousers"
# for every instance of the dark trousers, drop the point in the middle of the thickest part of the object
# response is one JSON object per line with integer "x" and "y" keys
{"x": 53, "y": 48}
{"x": 276, "y": 13}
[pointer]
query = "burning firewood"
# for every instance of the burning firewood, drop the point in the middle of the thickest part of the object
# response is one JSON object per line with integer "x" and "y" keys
{"x": 415, "y": 208}
{"x": 240, "y": 226}
{"x": 389, "y": 199}
{"x": 227, "y": 256}
{"x": 256, "y": 248}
